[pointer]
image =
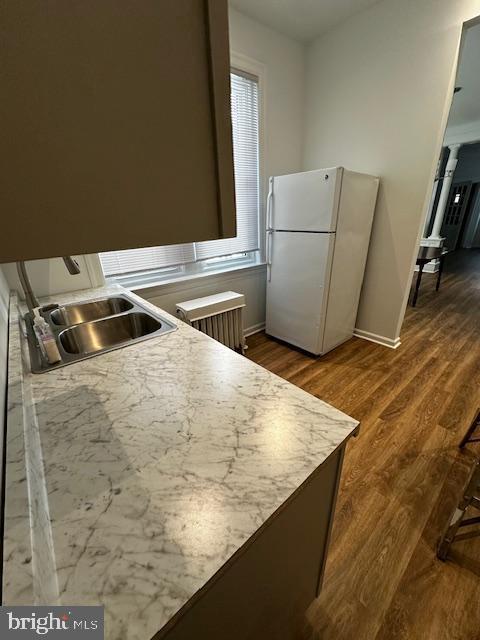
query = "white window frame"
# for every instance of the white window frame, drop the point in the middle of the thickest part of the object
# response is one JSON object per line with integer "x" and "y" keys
{"x": 240, "y": 63}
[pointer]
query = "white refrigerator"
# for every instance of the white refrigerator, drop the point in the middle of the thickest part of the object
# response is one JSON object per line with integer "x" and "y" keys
{"x": 318, "y": 232}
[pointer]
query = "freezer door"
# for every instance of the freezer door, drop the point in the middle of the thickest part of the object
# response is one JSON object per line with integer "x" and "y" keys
{"x": 305, "y": 201}
{"x": 297, "y": 287}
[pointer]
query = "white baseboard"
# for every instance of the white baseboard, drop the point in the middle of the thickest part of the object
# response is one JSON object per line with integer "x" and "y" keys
{"x": 430, "y": 267}
{"x": 256, "y": 328}
{"x": 432, "y": 242}
{"x": 359, "y": 333}
{"x": 373, "y": 337}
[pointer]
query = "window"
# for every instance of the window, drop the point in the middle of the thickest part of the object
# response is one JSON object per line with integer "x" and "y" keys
{"x": 153, "y": 263}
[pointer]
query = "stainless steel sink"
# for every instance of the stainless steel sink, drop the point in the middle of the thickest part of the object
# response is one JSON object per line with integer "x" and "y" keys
{"x": 91, "y": 337}
{"x": 87, "y": 311}
{"x": 89, "y": 328}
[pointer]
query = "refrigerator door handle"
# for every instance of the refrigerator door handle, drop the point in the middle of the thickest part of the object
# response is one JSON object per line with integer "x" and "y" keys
{"x": 269, "y": 205}
{"x": 269, "y": 254}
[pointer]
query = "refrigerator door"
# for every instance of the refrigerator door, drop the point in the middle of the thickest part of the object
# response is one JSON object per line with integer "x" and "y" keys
{"x": 355, "y": 217}
{"x": 305, "y": 201}
{"x": 297, "y": 284}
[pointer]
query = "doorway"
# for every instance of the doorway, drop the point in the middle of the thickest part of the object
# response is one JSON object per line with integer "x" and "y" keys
{"x": 458, "y": 204}
{"x": 453, "y": 220}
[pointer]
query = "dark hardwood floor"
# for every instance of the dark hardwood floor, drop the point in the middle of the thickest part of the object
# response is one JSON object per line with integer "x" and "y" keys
{"x": 404, "y": 473}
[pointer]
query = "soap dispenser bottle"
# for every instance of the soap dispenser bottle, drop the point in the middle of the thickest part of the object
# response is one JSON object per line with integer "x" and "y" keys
{"x": 46, "y": 340}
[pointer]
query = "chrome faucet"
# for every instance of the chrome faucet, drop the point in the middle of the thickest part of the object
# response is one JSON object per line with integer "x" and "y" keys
{"x": 30, "y": 298}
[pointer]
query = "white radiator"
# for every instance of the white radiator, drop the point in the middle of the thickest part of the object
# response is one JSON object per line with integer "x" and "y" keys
{"x": 220, "y": 316}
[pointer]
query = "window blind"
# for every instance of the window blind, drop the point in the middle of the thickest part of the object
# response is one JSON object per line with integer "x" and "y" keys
{"x": 134, "y": 260}
{"x": 244, "y": 99}
{"x": 244, "y": 105}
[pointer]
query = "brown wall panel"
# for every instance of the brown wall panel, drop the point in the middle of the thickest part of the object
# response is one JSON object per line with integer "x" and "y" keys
{"x": 110, "y": 118}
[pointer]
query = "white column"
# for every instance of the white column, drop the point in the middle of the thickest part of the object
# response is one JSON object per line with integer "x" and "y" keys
{"x": 442, "y": 202}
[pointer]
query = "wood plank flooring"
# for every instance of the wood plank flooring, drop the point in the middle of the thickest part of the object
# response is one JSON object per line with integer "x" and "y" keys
{"x": 404, "y": 473}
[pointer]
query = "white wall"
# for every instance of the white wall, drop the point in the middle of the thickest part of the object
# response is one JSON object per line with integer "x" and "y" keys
{"x": 251, "y": 282}
{"x": 377, "y": 94}
{"x": 51, "y": 276}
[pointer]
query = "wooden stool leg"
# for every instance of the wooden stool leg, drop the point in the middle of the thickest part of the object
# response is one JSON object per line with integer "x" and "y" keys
{"x": 451, "y": 532}
{"x": 471, "y": 429}
{"x": 459, "y": 514}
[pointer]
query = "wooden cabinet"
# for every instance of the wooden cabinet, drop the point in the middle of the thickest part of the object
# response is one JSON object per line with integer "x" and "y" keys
{"x": 116, "y": 128}
{"x": 265, "y": 589}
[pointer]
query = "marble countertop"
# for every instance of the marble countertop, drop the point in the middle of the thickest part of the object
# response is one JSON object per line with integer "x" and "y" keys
{"x": 133, "y": 476}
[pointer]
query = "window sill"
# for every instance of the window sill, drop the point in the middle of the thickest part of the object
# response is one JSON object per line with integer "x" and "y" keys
{"x": 173, "y": 282}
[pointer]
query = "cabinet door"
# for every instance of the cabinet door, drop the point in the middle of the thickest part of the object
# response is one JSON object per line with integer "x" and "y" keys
{"x": 116, "y": 128}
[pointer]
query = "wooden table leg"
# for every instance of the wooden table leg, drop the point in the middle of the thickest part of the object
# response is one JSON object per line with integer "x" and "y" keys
{"x": 440, "y": 271}
{"x": 417, "y": 284}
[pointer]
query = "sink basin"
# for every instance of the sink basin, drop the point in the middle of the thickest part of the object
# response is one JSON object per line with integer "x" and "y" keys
{"x": 87, "y": 311}
{"x": 90, "y": 337}
{"x": 87, "y": 329}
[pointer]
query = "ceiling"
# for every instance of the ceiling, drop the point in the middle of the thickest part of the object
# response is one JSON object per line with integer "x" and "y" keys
{"x": 301, "y": 19}
{"x": 466, "y": 104}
